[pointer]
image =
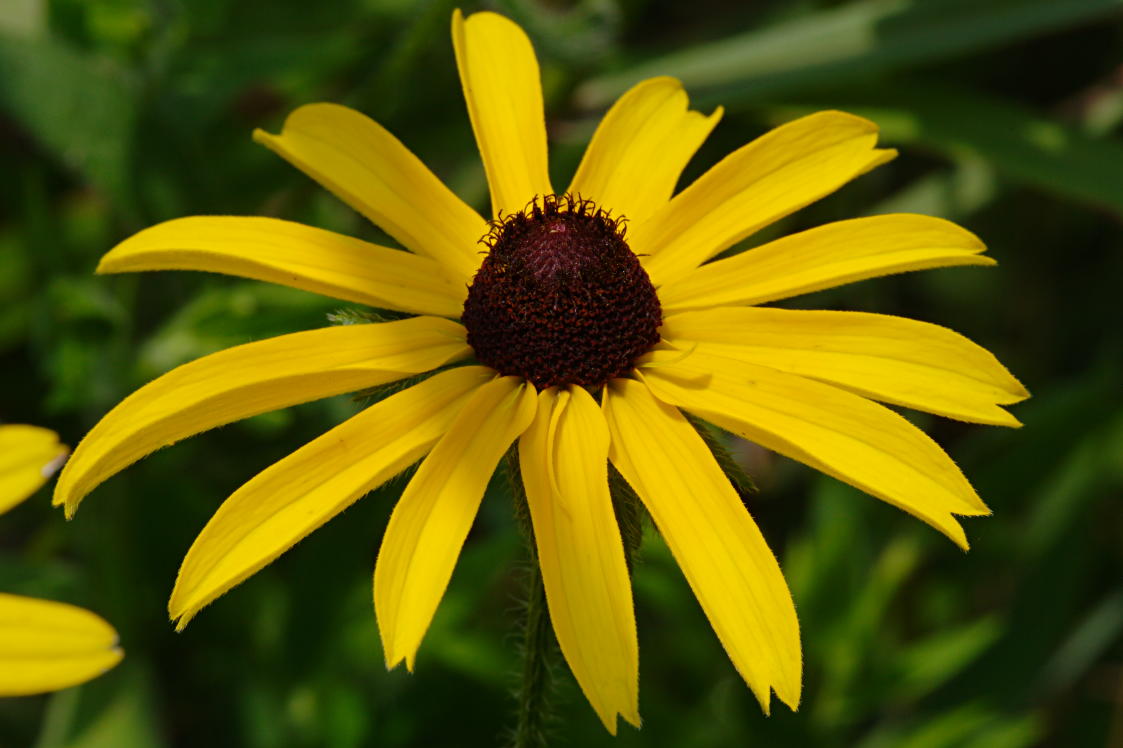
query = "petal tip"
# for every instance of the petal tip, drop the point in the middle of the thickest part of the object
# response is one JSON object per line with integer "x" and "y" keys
{"x": 181, "y": 622}
{"x": 848, "y": 117}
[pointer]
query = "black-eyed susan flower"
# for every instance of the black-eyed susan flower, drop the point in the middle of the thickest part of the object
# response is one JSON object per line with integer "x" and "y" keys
{"x": 44, "y": 645}
{"x": 593, "y": 320}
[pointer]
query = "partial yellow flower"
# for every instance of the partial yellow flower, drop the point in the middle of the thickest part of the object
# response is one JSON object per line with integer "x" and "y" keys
{"x": 581, "y": 342}
{"x": 44, "y": 645}
{"x": 29, "y": 456}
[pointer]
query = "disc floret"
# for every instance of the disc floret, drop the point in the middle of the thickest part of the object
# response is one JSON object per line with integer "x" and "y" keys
{"x": 560, "y": 298}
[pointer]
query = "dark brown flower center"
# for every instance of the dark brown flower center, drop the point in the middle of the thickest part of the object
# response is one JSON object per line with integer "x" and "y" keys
{"x": 560, "y": 298}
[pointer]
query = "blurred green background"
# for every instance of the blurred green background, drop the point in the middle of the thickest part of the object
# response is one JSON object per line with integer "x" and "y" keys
{"x": 115, "y": 114}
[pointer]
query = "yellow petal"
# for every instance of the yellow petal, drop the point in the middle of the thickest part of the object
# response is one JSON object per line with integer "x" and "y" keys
{"x": 823, "y": 257}
{"x": 431, "y": 521}
{"x": 29, "y": 455}
{"x": 276, "y": 509}
{"x": 564, "y": 463}
{"x": 716, "y": 543}
{"x": 45, "y": 646}
{"x": 250, "y": 379}
{"x": 369, "y": 169}
{"x": 639, "y": 150}
{"x": 776, "y": 174}
{"x": 897, "y": 360}
{"x": 843, "y": 435}
{"x": 292, "y": 254}
{"x": 503, "y": 90}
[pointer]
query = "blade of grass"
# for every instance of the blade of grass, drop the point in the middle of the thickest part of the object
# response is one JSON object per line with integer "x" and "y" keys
{"x": 840, "y": 43}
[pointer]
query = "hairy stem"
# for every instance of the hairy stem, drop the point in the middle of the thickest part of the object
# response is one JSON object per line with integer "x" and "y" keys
{"x": 533, "y": 693}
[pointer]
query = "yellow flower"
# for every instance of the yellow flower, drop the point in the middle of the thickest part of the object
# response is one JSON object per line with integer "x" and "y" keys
{"x": 44, "y": 645}
{"x": 583, "y": 341}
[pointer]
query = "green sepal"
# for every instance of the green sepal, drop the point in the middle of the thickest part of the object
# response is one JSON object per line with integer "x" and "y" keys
{"x": 715, "y": 439}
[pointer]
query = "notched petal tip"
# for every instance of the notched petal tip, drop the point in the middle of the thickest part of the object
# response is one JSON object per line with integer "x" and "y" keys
{"x": 791, "y": 701}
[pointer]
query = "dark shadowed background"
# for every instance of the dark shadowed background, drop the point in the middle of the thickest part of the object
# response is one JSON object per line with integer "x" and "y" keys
{"x": 115, "y": 114}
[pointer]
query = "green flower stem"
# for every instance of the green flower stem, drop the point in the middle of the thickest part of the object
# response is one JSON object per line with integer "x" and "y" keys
{"x": 534, "y": 690}
{"x": 533, "y": 694}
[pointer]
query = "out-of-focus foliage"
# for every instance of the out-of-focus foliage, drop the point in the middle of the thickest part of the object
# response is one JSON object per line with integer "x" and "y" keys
{"x": 115, "y": 114}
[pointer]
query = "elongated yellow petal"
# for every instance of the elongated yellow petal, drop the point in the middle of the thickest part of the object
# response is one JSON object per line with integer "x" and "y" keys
{"x": 292, "y": 254}
{"x": 45, "y": 646}
{"x": 250, "y": 379}
{"x": 844, "y": 435}
{"x": 564, "y": 461}
{"x": 503, "y": 90}
{"x": 639, "y": 150}
{"x": 716, "y": 543}
{"x": 897, "y": 360}
{"x": 276, "y": 509}
{"x": 369, "y": 169}
{"x": 776, "y": 174}
{"x": 431, "y": 521}
{"x": 29, "y": 455}
{"x": 824, "y": 257}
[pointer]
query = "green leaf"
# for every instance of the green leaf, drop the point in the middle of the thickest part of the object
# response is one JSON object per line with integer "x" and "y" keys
{"x": 116, "y": 709}
{"x": 969, "y": 726}
{"x": 859, "y": 38}
{"x": 80, "y": 109}
{"x": 953, "y": 193}
{"x": 933, "y": 661}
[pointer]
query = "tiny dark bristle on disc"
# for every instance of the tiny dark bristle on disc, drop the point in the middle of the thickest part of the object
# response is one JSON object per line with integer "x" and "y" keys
{"x": 560, "y": 298}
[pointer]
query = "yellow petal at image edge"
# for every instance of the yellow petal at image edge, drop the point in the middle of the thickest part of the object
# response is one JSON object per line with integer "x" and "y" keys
{"x": 563, "y": 458}
{"x": 430, "y": 522}
{"x": 843, "y": 435}
{"x": 29, "y": 455}
{"x": 251, "y": 379}
{"x": 893, "y": 359}
{"x": 293, "y": 497}
{"x": 503, "y": 91}
{"x": 291, "y": 254}
{"x": 714, "y": 540}
{"x": 771, "y": 177}
{"x": 825, "y": 257}
{"x": 640, "y": 148}
{"x": 358, "y": 161}
{"x": 45, "y": 646}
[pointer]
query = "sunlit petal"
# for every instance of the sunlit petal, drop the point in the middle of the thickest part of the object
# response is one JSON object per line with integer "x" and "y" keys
{"x": 776, "y": 174}
{"x": 897, "y": 360}
{"x": 369, "y": 169}
{"x": 29, "y": 455}
{"x": 824, "y": 257}
{"x": 250, "y": 379}
{"x": 293, "y": 497}
{"x": 640, "y": 148}
{"x": 503, "y": 90}
{"x": 564, "y": 462}
{"x": 45, "y": 646}
{"x": 432, "y": 519}
{"x": 292, "y": 254}
{"x": 716, "y": 543}
{"x": 842, "y": 434}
